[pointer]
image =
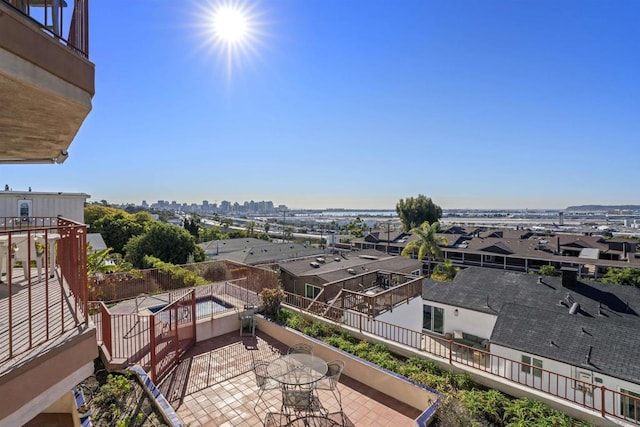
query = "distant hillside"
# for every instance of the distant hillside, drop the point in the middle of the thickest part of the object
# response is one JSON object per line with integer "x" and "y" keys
{"x": 603, "y": 207}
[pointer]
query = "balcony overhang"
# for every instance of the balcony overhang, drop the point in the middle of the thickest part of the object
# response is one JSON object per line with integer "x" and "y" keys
{"x": 45, "y": 92}
{"x": 40, "y": 381}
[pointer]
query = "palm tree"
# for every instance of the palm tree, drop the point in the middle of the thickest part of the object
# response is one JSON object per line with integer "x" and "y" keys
{"x": 426, "y": 243}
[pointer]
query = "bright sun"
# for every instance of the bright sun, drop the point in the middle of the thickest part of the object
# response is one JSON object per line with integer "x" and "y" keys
{"x": 230, "y": 24}
{"x": 231, "y": 29}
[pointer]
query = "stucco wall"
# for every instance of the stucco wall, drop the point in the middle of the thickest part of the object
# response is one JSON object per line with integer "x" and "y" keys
{"x": 469, "y": 321}
{"x": 406, "y": 315}
{"x": 70, "y": 206}
{"x": 217, "y": 325}
{"x": 563, "y": 387}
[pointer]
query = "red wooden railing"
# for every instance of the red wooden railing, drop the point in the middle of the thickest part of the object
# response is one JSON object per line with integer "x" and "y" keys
{"x": 37, "y": 308}
{"x": 594, "y": 397}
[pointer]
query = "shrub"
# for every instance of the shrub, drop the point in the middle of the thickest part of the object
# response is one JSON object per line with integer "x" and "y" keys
{"x": 174, "y": 272}
{"x": 271, "y": 299}
{"x": 548, "y": 270}
{"x": 116, "y": 387}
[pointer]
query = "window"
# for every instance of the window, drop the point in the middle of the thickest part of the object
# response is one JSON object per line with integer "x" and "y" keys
{"x": 415, "y": 272}
{"x": 630, "y": 406}
{"x": 526, "y": 368}
{"x": 433, "y": 318}
{"x": 537, "y": 371}
{"x": 311, "y": 291}
{"x": 24, "y": 209}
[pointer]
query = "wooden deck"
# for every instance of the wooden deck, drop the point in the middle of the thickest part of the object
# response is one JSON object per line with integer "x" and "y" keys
{"x": 38, "y": 315}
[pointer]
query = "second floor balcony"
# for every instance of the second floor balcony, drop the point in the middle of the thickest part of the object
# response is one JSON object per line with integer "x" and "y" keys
{"x": 47, "y": 344}
{"x": 46, "y": 78}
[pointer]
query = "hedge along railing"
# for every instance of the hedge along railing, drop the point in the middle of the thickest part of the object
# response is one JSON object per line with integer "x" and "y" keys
{"x": 590, "y": 396}
{"x": 119, "y": 286}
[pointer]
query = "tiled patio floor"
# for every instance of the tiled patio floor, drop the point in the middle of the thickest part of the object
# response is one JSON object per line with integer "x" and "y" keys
{"x": 214, "y": 385}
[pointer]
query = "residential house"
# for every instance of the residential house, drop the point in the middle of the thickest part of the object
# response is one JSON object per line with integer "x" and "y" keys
{"x": 571, "y": 337}
{"x": 308, "y": 276}
{"x": 27, "y": 204}
{"x": 47, "y": 343}
{"x": 388, "y": 241}
{"x": 518, "y": 249}
{"x": 252, "y": 251}
{"x": 526, "y": 250}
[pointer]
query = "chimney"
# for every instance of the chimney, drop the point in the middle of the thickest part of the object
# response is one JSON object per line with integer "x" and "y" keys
{"x": 569, "y": 277}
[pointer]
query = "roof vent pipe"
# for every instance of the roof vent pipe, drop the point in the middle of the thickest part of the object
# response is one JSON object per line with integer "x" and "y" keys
{"x": 575, "y": 307}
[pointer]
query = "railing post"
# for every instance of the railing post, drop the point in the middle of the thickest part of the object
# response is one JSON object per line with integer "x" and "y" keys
{"x": 450, "y": 352}
{"x": 106, "y": 328}
{"x": 603, "y": 411}
{"x": 152, "y": 346}
{"x": 193, "y": 312}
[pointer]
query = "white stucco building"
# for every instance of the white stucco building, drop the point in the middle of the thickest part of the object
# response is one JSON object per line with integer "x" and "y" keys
{"x": 22, "y": 204}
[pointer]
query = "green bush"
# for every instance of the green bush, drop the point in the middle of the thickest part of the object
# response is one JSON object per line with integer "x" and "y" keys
{"x": 548, "y": 270}
{"x": 116, "y": 387}
{"x": 271, "y": 299}
{"x": 175, "y": 272}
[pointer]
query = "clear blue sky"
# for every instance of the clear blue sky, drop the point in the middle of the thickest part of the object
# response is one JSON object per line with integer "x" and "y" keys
{"x": 358, "y": 103}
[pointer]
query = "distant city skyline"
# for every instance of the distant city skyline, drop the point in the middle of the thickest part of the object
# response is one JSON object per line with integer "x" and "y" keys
{"x": 492, "y": 105}
{"x": 278, "y": 206}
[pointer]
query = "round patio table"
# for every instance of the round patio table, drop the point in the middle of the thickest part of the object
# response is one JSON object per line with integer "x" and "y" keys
{"x": 297, "y": 369}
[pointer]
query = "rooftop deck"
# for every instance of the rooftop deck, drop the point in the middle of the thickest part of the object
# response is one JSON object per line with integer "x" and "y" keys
{"x": 214, "y": 385}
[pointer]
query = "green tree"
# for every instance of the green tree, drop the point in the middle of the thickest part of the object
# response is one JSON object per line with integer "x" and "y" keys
{"x": 117, "y": 228}
{"x": 166, "y": 242}
{"x": 288, "y": 232}
{"x": 548, "y": 270}
{"x": 193, "y": 225}
{"x": 623, "y": 276}
{"x": 92, "y": 213}
{"x": 426, "y": 243}
{"x": 445, "y": 272}
{"x": 266, "y": 227}
{"x": 357, "y": 227}
{"x": 98, "y": 262}
{"x": 251, "y": 228}
{"x": 210, "y": 233}
{"x": 415, "y": 211}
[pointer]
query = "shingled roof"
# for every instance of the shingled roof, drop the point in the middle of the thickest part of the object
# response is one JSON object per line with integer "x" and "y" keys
{"x": 584, "y": 341}
{"x": 532, "y": 314}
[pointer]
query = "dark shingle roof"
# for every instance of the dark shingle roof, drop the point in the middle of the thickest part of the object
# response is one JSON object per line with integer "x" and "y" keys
{"x": 471, "y": 287}
{"x": 570, "y": 338}
{"x": 530, "y": 315}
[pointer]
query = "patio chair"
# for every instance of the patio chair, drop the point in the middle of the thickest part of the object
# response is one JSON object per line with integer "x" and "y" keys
{"x": 247, "y": 321}
{"x": 331, "y": 379}
{"x": 263, "y": 381}
{"x": 300, "y": 348}
{"x": 276, "y": 419}
{"x": 299, "y": 400}
{"x": 26, "y": 250}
